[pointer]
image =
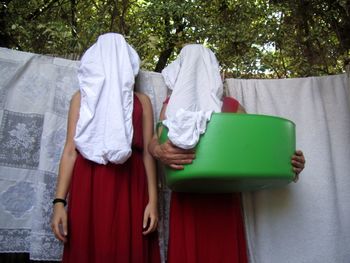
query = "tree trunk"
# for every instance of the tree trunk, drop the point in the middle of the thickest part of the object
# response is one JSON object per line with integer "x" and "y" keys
{"x": 114, "y": 14}
{"x": 4, "y": 37}
{"x": 171, "y": 39}
{"x": 122, "y": 23}
{"x": 74, "y": 23}
{"x": 41, "y": 10}
{"x": 163, "y": 58}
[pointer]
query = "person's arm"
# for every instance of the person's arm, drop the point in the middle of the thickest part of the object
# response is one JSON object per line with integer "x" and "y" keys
{"x": 150, "y": 217}
{"x": 66, "y": 166}
{"x": 167, "y": 153}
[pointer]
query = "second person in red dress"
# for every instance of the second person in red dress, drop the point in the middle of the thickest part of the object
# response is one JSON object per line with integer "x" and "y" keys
{"x": 204, "y": 228}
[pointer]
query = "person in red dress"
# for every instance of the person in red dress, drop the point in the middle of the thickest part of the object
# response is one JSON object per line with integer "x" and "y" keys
{"x": 112, "y": 202}
{"x": 204, "y": 228}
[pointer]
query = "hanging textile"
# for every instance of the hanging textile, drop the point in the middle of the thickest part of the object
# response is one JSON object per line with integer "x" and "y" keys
{"x": 308, "y": 221}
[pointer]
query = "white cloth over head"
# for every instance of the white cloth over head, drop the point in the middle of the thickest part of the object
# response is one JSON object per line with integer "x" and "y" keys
{"x": 195, "y": 81}
{"x": 106, "y": 79}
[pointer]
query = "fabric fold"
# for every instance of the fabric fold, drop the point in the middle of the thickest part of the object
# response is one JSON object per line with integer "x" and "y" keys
{"x": 186, "y": 127}
{"x": 197, "y": 89}
{"x": 106, "y": 78}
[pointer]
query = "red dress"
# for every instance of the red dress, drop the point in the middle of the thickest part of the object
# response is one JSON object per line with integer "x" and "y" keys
{"x": 106, "y": 206}
{"x": 207, "y": 228}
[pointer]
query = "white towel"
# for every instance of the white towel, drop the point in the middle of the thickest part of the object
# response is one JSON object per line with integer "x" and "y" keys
{"x": 106, "y": 78}
{"x": 195, "y": 81}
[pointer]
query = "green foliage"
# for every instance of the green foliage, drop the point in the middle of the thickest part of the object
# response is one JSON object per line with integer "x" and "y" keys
{"x": 251, "y": 38}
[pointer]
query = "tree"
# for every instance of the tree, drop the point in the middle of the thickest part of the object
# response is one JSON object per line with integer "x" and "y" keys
{"x": 251, "y": 38}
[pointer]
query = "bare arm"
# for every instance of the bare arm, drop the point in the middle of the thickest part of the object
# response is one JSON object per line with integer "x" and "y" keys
{"x": 168, "y": 153}
{"x": 68, "y": 158}
{"x": 150, "y": 219}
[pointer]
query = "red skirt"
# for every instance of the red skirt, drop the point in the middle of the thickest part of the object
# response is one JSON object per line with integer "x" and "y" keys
{"x": 105, "y": 214}
{"x": 206, "y": 228}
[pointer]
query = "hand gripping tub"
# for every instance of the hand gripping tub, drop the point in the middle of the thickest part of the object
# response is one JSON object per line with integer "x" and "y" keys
{"x": 238, "y": 152}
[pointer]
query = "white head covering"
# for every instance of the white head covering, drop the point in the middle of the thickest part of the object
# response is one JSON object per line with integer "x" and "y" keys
{"x": 197, "y": 89}
{"x": 106, "y": 78}
{"x": 195, "y": 81}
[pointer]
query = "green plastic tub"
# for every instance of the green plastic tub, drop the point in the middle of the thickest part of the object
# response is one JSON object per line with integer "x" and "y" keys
{"x": 238, "y": 152}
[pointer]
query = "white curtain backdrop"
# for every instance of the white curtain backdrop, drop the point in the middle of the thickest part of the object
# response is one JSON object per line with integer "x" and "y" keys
{"x": 306, "y": 222}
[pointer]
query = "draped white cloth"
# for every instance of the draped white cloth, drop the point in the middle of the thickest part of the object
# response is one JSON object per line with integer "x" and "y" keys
{"x": 106, "y": 81}
{"x": 306, "y": 222}
{"x": 196, "y": 85}
{"x": 186, "y": 127}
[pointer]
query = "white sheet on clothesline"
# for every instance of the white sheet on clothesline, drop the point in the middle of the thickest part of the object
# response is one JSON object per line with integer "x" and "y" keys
{"x": 307, "y": 222}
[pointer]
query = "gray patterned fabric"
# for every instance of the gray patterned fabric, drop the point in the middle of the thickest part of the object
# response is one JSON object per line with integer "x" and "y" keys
{"x": 35, "y": 91}
{"x": 34, "y": 98}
